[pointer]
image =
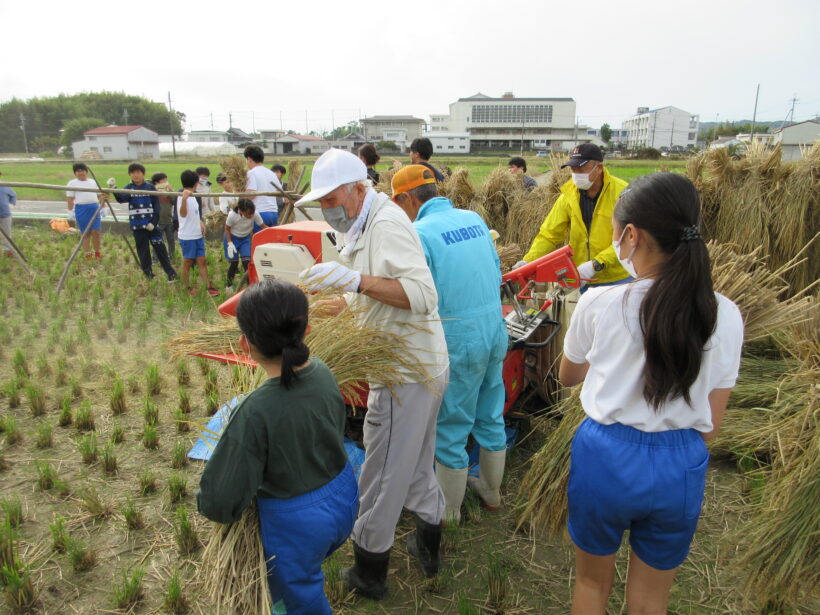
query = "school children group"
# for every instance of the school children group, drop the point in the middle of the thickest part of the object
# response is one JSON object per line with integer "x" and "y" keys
{"x": 157, "y": 222}
{"x": 657, "y": 351}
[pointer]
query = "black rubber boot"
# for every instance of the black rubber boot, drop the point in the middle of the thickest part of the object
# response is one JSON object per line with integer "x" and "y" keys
{"x": 423, "y": 544}
{"x": 368, "y": 575}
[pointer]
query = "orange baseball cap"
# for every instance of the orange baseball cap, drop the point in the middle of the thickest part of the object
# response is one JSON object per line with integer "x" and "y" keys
{"x": 410, "y": 177}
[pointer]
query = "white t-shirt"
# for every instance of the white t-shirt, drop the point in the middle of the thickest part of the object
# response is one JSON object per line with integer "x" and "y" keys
{"x": 241, "y": 226}
{"x": 605, "y": 332}
{"x": 82, "y": 198}
{"x": 189, "y": 227}
{"x": 262, "y": 179}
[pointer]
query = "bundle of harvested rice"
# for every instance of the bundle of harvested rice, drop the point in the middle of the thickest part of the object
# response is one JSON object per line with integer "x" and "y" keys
{"x": 495, "y": 199}
{"x": 509, "y": 255}
{"x": 234, "y": 570}
{"x": 458, "y": 188}
{"x": 214, "y": 221}
{"x": 295, "y": 175}
{"x": 746, "y": 280}
{"x": 527, "y": 213}
{"x": 354, "y": 353}
{"x": 385, "y": 177}
{"x": 236, "y": 172}
{"x": 760, "y": 201}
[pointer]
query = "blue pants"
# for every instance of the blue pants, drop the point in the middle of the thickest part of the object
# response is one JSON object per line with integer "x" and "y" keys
{"x": 474, "y": 399}
{"x": 270, "y": 218}
{"x": 299, "y": 533}
{"x": 626, "y": 280}
{"x": 83, "y": 214}
{"x": 242, "y": 245}
{"x": 650, "y": 483}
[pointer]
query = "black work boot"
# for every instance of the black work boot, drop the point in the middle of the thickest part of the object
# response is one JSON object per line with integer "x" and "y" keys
{"x": 368, "y": 574}
{"x": 423, "y": 544}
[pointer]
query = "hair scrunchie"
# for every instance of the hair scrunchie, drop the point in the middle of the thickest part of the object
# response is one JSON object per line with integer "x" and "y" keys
{"x": 690, "y": 233}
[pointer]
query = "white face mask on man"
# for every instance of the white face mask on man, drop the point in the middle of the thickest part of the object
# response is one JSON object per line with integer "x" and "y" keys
{"x": 626, "y": 263}
{"x": 582, "y": 180}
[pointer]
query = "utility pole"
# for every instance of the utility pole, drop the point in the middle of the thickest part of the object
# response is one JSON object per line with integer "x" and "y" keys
{"x": 212, "y": 120}
{"x": 171, "y": 122}
{"x": 253, "y": 121}
{"x": 754, "y": 116}
{"x": 672, "y": 136}
{"x": 23, "y": 128}
{"x": 281, "y": 126}
{"x": 230, "y": 120}
{"x": 575, "y": 133}
{"x": 717, "y": 125}
{"x": 306, "y": 122}
{"x": 125, "y": 115}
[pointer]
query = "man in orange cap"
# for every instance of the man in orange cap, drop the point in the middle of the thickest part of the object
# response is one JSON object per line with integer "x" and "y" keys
{"x": 466, "y": 271}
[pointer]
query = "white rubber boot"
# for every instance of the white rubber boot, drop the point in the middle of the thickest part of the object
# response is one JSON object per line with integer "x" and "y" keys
{"x": 453, "y": 483}
{"x": 490, "y": 472}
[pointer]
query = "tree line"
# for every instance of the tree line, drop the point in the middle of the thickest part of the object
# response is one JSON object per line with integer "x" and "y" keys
{"x": 52, "y": 121}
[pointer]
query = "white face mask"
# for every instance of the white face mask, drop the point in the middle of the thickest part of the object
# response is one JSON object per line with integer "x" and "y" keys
{"x": 626, "y": 263}
{"x": 582, "y": 180}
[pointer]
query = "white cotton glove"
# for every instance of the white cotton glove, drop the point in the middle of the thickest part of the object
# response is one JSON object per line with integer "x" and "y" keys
{"x": 231, "y": 250}
{"x": 111, "y": 182}
{"x": 519, "y": 264}
{"x": 149, "y": 227}
{"x": 72, "y": 215}
{"x": 331, "y": 275}
{"x": 587, "y": 272}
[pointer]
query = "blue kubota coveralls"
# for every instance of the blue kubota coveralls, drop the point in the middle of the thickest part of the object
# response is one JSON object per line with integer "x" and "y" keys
{"x": 467, "y": 274}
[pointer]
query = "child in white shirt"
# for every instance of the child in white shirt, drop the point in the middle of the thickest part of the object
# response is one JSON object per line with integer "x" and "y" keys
{"x": 192, "y": 233}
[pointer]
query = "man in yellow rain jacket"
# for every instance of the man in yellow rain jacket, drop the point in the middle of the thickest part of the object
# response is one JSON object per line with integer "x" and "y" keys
{"x": 584, "y": 213}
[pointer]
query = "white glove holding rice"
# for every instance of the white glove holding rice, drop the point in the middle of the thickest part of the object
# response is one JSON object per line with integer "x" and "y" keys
{"x": 149, "y": 227}
{"x": 331, "y": 275}
{"x": 231, "y": 249}
{"x": 111, "y": 182}
{"x": 587, "y": 272}
{"x": 519, "y": 264}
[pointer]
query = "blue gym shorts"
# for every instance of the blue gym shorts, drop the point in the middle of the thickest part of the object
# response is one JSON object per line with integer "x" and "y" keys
{"x": 83, "y": 214}
{"x": 298, "y": 534}
{"x": 651, "y": 484}
{"x": 270, "y": 218}
{"x": 192, "y": 248}
{"x": 242, "y": 245}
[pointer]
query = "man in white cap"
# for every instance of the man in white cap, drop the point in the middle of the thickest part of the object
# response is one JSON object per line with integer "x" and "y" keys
{"x": 385, "y": 277}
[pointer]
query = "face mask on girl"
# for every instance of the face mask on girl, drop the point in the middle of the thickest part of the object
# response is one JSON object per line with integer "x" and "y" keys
{"x": 626, "y": 263}
{"x": 582, "y": 180}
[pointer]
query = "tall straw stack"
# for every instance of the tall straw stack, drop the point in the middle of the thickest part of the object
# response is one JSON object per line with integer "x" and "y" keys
{"x": 760, "y": 201}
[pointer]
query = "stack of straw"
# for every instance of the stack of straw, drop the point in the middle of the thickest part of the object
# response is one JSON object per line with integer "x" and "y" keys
{"x": 760, "y": 201}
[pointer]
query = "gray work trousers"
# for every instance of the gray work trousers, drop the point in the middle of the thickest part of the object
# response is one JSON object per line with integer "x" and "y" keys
{"x": 400, "y": 447}
{"x": 6, "y": 224}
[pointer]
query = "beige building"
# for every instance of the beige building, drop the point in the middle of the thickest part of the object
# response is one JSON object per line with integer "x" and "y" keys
{"x": 794, "y": 139}
{"x": 401, "y": 129}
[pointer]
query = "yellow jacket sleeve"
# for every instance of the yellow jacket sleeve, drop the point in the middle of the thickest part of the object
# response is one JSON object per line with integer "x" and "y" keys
{"x": 608, "y": 258}
{"x": 553, "y": 231}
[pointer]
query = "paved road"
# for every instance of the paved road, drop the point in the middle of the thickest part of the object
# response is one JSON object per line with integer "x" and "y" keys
{"x": 55, "y": 209}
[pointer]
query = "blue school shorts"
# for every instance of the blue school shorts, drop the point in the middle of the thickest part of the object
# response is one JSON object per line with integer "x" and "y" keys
{"x": 84, "y": 214}
{"x": 298, "y": 534}
{"x": 242, "y": 245}
{"x": 192, "y": 248}
{"x": 270, "y": 218}
{"x": 651, "y": 484}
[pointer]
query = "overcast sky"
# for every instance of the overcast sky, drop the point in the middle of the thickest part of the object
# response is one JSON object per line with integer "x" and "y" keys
{"x": 332, "y": 60}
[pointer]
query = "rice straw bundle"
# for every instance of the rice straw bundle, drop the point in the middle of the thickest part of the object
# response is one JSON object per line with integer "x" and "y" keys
{"x": 497, "y": 197}
{"x": 527, "y": 214}
{"x": 214, "y": 221}
{"x": 234, "y": 570}
{"x": 746, "y": 280}
{"x": 543, "y": 490}
{"x": 509, "y": 255}
{"x": 353, "y": 353}
{"x": 385, "y": 177}
{"x": 236, "y": 172}
{"x": 295, "y": 173}
{"x": 760, "y": 201}
{"x": 458, "y": 188}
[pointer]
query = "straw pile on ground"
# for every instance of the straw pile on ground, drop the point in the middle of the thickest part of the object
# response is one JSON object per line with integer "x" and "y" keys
{"x": 758, "y": 200}
{"x": 742, "y": 278}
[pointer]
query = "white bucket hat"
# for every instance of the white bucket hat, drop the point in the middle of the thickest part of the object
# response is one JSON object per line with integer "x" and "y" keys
{"x": 334, "y": 168}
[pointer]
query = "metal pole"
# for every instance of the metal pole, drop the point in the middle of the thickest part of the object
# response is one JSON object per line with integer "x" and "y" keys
{"x": 171, "y": 122}
{"x": 16, "y": 251}
{"x": 114, "y": 215}
{"x": 23, "y": 128}
{"x": 71, "y": 258}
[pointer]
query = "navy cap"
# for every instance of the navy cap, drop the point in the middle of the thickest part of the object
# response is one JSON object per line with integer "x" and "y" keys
{"x": 583, "y": 154}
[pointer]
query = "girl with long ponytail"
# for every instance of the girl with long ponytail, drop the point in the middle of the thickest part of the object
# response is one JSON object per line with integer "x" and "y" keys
{"x": 284, "y": 446}
{"x": 658, "y": 358}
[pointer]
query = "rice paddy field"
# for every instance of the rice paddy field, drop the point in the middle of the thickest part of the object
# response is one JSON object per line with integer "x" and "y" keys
{"x": 58, "y": 172}
{"x": 96, "y": 414}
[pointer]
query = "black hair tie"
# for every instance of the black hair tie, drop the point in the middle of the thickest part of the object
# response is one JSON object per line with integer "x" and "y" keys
{"x": 690, "y": 233}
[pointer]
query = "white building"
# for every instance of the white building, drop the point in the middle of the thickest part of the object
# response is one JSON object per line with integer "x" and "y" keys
{"x": 401, "y": 129}
{"x": 510, "y": 123}
{"x": 664, "y": 128}
{"x": 439, "y": 123}
{"x": 301, "y": 144}
{"x": 208, "y": 136}
{"x": 449, "y": 142}
{"x": 797, "y": 137}
{"x": 350, "y": 142}
{"x": 118, "y": 143}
